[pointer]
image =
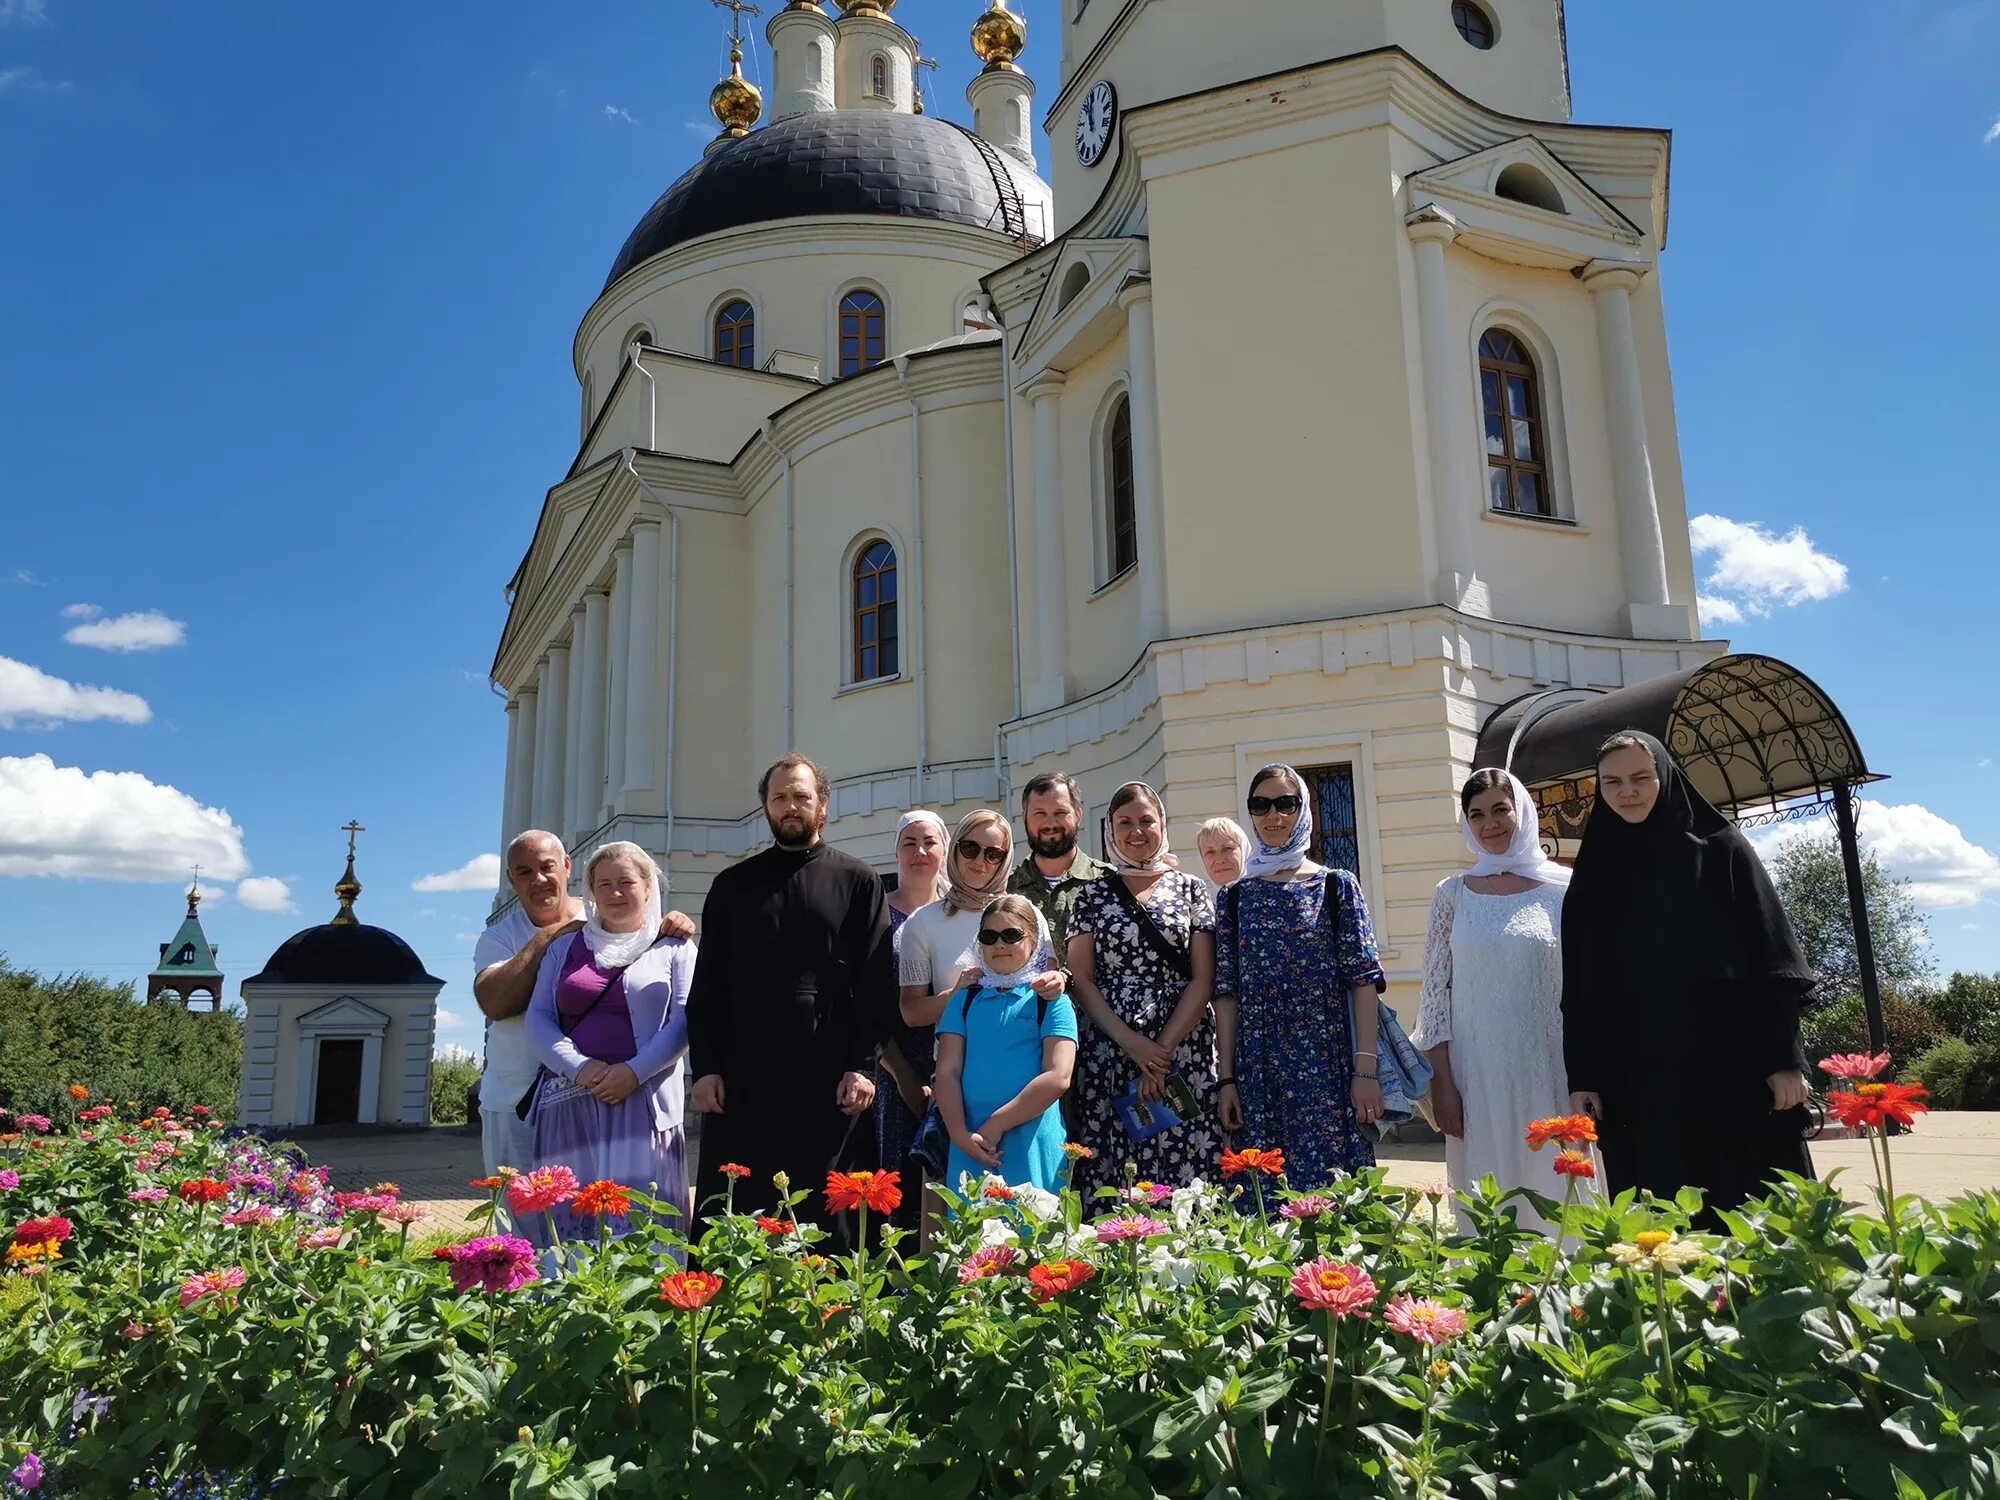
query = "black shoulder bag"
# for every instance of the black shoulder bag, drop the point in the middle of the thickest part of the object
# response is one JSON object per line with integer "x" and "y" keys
{"x": 1180, "y": 960}
{"x": 527, "y": 1101}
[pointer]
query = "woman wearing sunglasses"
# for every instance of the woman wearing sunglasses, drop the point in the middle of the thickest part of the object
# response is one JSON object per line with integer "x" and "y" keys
{"x": 903, "y": 1073}
{"x": 1142, "y": 963}
{"x": 1006, "y": 1055}
{"x": 1293, "y": 946}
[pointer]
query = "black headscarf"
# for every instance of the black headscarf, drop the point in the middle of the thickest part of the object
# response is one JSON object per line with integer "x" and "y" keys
{"x": 1677, "y": 905}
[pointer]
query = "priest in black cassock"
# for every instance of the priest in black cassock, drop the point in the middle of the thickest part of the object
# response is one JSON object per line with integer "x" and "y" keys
{"x": 794, "y": 989}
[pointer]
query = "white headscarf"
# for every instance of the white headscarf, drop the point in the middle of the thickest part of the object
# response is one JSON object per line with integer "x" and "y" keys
{"x": 1159, "y": 864}
{"x": 1039, "y": 962}
{"x": 925, "y": 815}
{"x": 616, "y": 950}
{"x": 1524, "y": 856}
{"x": 1264, "y": 860}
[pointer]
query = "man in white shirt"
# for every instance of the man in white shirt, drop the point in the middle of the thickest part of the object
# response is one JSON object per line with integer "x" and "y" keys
{"x": 504, "y": 966}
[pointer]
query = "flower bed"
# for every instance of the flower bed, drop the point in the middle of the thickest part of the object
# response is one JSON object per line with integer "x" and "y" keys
{"x": 176, "y": 1301}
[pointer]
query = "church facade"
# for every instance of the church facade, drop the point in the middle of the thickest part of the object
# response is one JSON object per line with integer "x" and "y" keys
{"x": 1314, "y": 405}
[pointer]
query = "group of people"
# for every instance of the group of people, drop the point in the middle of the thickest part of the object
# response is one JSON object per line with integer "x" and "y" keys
{"x": 991, "y": 1011}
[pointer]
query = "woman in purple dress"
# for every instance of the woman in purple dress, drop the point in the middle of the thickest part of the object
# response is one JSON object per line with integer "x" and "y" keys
{"x": 1296, "y": 986}
{"x": 609, "y": 1020}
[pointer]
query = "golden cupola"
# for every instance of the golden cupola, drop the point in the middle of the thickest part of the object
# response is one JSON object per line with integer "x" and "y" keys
{"x": 999, "y": 36}
{"x": 866, "y": 7}
{"x": 736, "y": 102}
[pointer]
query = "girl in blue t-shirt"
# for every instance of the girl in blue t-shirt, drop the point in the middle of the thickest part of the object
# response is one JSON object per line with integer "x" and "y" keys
{"x": 1005, "y": 1057}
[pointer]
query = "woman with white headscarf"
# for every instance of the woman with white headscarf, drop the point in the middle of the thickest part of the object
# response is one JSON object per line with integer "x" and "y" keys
{"x": 1491, "y": 1015}
{"x": 1142, "y": 968}
{"x": 1006, "y": 1055}
{"x": 903, "y": 1072}
{"x": 609, "y": 1020}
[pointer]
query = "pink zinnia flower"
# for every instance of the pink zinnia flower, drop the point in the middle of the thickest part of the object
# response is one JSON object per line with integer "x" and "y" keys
{"x": 402, "y": 1213}
{"x": 256, "y": 1213}
{"x": 1332, "y": 1286}
{"x": 1856, "y": 1066}
{"x": 9, "y": 1179}
{"x": 135, "y": 1331}
{"x": 493, "y": 1263}
{"x": 210, "y": 1284}
{"x": 1424, "y": 1319}
{"x": 539, "y": 1191}
{"x": 320, "y": 1239}
{"x": 994, "y": 1260}
{"x": 1152, "y": 1194}
{"x": 148, "y": 1195}
{"x": 40, "y": 1124}
{"x": 1309, "y": 1207}
{"x": 1132, "y": 1227}
{"x": 363, "y": 1203}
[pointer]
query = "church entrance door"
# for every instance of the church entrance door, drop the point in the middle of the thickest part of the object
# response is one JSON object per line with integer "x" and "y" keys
{"x": 337, "y": 1091}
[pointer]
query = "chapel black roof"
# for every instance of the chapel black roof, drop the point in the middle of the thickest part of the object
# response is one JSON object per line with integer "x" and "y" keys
{"x": 845, "y": 161}
{"x": 344, "y": 953}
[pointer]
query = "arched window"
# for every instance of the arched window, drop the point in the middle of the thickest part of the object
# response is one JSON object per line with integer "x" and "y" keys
{"x": 1473, "y": 23}
{"x": 875, "y": 612}
{"x": 1517, "y": 477}
{"x": 1121, "y": 524}
{"x": 878, "y": 76}
{"x": 736, "y": 335}
{"x": 1523, "y": 184}
{"x": 863, "y": 316}
{"x": 639, "y": 333}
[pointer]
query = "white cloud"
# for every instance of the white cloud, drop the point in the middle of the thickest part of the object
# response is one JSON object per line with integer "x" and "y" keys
{"x": 81, "y": 611}
{"x": 619, "y": 112}
{"x": 108, "y": 825}
{"x": 452, "y": 1052}
{"x": 1754, "y": 569}
{"x": 24, "y": 12}
{"x": 265, "y": 893}
{"x": 1992, "y": 133}
{"x": 480, "y": 873}
{"x": 696, "y": 127}
{"x": 31, "y": 699}
{"x": 1716, "y": 610}
{"x": 28, "y": 81}
{"x": 26, "y": 578}
{"x": 1945, "y": 869}
{"x": 147, "y": 630}
{"x": 447, "y": 1018}
{"x": 1985, "y": 762}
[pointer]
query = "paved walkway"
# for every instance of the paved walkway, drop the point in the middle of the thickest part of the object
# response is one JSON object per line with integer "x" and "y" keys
{"x": 1948, "y": 1154}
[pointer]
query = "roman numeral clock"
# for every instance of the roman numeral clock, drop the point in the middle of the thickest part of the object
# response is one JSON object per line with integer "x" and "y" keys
{"x": 1096, "y": 122}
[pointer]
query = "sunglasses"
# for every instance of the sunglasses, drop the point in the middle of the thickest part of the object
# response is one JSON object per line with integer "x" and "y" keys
{"x": 971, "y": 849}
{"x": 1289, "y": 803}
{"x": 988, "y": 937}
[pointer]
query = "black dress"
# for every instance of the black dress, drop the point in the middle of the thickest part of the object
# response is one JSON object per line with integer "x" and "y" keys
{"x": 1682, "y": 985}
{"x": 794, "y": 986}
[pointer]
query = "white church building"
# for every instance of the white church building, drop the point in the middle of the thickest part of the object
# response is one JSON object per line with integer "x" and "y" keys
{"x": 1315, "y": 404}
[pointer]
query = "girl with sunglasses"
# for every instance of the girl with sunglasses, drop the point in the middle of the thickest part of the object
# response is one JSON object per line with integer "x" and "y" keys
{"x": 1006, "y": 1055}
{"x": 1297, "y": 981}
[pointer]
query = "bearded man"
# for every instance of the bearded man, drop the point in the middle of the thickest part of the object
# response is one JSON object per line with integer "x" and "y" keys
{"x": 794, "y": 990}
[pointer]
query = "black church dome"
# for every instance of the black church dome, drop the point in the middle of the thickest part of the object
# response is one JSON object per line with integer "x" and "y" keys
{"x": 344, "y": 953}
{"x": 845, "y": 161}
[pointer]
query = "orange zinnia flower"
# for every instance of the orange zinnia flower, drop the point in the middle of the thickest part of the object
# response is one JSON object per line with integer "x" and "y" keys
{"x": 880, "y": 1191}
{"x": 1269, "y": 1161}
{"x": 775, "y": 1226}
{"x": 602, "y": 1198}
{"x": 486, "y": 1184}
{"x": 78, "y": 1091}
{"x": 999, "y": 1192}
{"x": 1570, "y": 1130}
{"x": 1872, "y": 1105}
{"x": 1573, "y": 1163}
{"x": 690, "y": 1290}
{"x": 734, "y": 1169}
{"x": 1054, "y": 1277}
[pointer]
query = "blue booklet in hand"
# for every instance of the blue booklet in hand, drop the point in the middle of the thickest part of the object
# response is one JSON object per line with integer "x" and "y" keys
{"x": 1144, "y": 1118}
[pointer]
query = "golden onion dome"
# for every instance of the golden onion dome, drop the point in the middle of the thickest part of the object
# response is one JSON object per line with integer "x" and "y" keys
{"x": 736, "y": 102}
{"x": 867, "y": 7}
{"x": 999, "y": 36}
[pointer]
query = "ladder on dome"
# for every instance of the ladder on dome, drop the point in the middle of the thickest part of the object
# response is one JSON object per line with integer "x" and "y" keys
{"x": 1012, "y": 212}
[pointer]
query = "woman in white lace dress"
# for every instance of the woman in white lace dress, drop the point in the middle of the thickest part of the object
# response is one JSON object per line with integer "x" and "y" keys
{"x": 1491, "y": 1018}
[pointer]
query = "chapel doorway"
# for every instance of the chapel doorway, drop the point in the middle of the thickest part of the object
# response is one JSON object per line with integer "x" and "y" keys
{"x": 337, "y": 1089}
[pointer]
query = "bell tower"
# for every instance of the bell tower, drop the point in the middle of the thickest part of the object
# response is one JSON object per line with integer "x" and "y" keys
{"x": 188, "y": 965}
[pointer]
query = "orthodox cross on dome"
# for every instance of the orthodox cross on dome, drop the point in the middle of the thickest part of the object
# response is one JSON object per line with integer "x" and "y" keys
{"x": 917, "y": 74}
{"x": 350, "y": 828}
{"x": 347, "y": 888}
{"x": 740, "y": 8}
{"x": 194, "y": 886}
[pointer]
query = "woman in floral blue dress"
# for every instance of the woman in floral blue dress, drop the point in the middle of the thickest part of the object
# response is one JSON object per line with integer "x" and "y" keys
{"x": 1298, "y": 1062}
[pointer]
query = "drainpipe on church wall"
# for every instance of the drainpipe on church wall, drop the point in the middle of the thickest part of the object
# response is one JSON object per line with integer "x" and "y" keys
{"x": 785, "y": 459}
{"x": 917, "y": 573}
{"x": 673, "y": 633}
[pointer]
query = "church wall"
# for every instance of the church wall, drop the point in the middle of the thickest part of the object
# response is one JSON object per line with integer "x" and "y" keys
{"x": 712, "y": 698}
{"x": 1103, "y": 614}
{"x": 701, "y": 410}
{"x": 1290, "y": 367}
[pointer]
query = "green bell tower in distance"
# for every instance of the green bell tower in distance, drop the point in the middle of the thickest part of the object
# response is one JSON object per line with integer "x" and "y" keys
{"x": 188, "y": 964}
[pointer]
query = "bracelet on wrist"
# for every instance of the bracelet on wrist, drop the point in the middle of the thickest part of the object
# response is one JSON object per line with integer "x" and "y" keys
{"x": 1225, "y": 1083}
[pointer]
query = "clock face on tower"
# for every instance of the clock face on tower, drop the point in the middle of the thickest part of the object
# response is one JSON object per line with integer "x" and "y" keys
{"x": 1095, "y": 122}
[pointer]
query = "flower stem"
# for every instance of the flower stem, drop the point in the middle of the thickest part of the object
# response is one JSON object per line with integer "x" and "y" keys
{"x": 1326, "y": 1390}
{"x": 1666, "y": 1335}
{"x": 694, "y": 1387}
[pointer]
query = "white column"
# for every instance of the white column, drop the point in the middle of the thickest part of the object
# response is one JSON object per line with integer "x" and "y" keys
{"x": 510, "y": 793}
{"x": 572, "y": 727}
{"x": 521, "y": 793}
{"x": 1454, "y": 490}
{"x": 1640, "y": 549}
{"x": 550, "y": 759}
{"x": 1051, "y": 596}
{"x": 642, "y": 657}
{"x": 589, "y": 777}
{"x": 618, "y": 671}
{"x": 1137, "y": 300}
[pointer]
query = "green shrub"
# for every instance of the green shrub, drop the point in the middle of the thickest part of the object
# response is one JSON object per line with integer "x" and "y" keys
{"x": 1982, "y": 1080}
{"x": 1913, "y": 1028}
{"x": 453, "y": 1074}
{"x": 1943, "y": 1070}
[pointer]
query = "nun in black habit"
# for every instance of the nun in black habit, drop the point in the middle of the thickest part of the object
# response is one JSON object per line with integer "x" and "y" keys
{"x": 1682, "y": 984}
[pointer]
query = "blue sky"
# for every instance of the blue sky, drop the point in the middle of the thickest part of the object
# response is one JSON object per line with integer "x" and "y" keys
{"x": 286, "y": 299}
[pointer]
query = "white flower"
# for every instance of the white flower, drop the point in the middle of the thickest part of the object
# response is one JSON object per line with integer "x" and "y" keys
{"x": 1168, "y": 1271}
{"x": 1037, "y": 1203}
{"x": 994, "y": 1232}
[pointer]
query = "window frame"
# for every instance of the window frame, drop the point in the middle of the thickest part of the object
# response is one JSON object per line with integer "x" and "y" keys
{"x": 840, "y": 315}
{"x": 1504, "y": 371}
{"x": 732, "y": 301}
{"x": 878, "y": 76}
{"x": 1119, "y": 526}
{"x": 858, "y": 554}
{"x": 1464, "y": 13}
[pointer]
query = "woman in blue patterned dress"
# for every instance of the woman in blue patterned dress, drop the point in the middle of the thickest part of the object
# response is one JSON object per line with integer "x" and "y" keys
{"x": 1298, "y": 1059}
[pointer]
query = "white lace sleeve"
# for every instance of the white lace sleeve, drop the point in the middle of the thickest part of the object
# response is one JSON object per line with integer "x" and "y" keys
{"x": 1434, "y": 1013}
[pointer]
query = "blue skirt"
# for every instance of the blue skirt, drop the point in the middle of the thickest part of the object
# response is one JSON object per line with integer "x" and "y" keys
{"x": 604, "y": 1143}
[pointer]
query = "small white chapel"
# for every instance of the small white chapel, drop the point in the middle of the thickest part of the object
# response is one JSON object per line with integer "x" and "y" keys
{"x": 1295, "y": 390}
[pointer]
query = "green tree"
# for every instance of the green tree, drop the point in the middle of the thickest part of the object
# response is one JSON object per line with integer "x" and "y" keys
{"x": 1969, "y": 1006}
{"x": 1812, "y": 882}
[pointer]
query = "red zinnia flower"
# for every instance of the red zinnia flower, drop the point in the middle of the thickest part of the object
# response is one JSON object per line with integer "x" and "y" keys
{"x": 541, "y": 1190}
{"x": 1330, "y": 1286}
{"x": 1054, "y": 1277}
{"x": 203, "y": 1190}
{"x": 881, "y": 1191}
{"x": 1856, "y": 1067}
{"x": 50, "y": 1231}
{"x": 735, "y": 1169}
{"x": 826, "y": 1313}
{"x": 486, "y": 1184}
{"x": 999, "y": 1192}
{"x": 690, "y": 1290}
{"x": 775, "y": 1226}
{"x": 602, "y": 1198}
{"x": 1573, "y": 1163}
{"x": 1570, "y": 1130}
{"x": 1872, "y": 1105}
{"x": 1269, "y": 1161}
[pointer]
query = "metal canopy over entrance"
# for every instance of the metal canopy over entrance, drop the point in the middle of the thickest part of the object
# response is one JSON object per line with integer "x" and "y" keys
{"x": 1758, "y": 737}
